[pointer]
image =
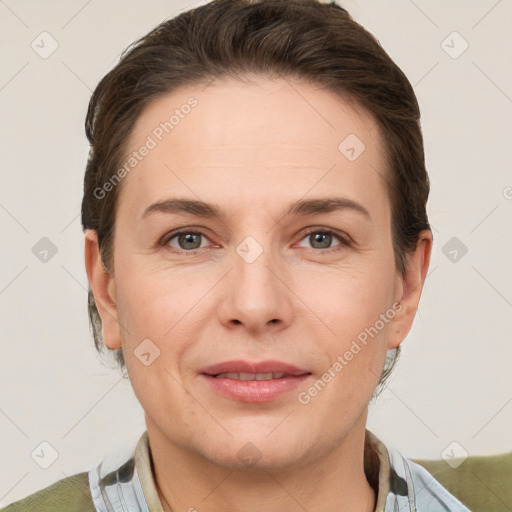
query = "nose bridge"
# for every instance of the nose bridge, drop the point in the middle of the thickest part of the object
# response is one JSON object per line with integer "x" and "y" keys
{"x": 254, "y": 266}
{"x": 257, "y": 295}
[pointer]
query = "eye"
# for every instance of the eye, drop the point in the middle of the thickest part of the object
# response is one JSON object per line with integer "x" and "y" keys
{"x": 187, "y": 241}
{"x": 322, "y": 239}
{"x": 190, "y": 241}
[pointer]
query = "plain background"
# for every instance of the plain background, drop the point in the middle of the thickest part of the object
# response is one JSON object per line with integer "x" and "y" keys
{"x": 453, "y": 382}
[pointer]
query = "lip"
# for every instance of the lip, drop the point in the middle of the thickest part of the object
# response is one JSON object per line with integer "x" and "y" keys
{"x": 268, "y": 366}
{"x": 254, "y": 391}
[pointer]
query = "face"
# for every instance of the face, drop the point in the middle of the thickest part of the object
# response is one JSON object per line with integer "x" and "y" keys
{"x": 253, "y": 325}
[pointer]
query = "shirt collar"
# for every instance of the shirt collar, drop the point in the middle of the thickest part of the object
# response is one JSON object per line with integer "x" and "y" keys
{"x": 399, "y": 483}
{"x": 144, "y": 463}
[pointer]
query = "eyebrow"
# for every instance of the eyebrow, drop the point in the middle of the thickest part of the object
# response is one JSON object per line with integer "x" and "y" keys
{"x": 301, "y": 207}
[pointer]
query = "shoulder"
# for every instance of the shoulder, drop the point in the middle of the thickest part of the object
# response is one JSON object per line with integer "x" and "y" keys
{"x": 71, "y": 494}
{"x": 482, "y": 483}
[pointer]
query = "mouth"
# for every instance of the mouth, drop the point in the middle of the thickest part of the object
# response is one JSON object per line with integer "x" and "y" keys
{"x": 266, "y": 368}
{"x": 252, "y": 376}
{"x": 254, "y": 382}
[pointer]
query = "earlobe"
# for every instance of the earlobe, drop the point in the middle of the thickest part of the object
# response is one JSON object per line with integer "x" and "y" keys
{"x": 411, "y": 285}
{"x": 103, "y": 288}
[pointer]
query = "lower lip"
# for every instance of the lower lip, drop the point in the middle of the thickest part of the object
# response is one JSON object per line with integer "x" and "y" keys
{"x": 255, "y": 391}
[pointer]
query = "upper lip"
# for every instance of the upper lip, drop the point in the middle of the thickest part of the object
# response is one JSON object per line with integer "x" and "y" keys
{"x": 267, "y": 366}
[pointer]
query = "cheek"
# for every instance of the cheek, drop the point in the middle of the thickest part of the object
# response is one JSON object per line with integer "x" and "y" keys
{"x": 350, "y": 298}
{"x": 357, "y": 309}
{"x": 149, "y": 299}
{"x": 355, "y": 353}
{"x": 162, "y": 306}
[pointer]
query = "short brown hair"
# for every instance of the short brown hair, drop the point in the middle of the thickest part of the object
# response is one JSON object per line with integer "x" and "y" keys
{"x": 304, "y": 39}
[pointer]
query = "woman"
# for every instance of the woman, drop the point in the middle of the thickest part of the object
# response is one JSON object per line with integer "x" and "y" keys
{"x": 256, "y": 243}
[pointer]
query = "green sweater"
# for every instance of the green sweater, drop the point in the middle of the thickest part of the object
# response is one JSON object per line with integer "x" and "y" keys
{"x": 481, "y": 483}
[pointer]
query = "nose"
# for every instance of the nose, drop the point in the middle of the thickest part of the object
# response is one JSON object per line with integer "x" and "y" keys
{"x": 256, "y": 294}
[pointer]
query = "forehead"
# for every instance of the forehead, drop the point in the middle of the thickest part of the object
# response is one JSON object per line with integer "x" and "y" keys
{"x": 261, "y": 138}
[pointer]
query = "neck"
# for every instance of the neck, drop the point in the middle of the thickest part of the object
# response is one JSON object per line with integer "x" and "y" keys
{"x": 333, "y": 482}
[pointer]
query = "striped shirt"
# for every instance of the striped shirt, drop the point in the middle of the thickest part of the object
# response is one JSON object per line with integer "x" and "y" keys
{"x": 401, "y": 484}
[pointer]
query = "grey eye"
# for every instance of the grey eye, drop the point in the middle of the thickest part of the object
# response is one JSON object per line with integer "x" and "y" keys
{"x": 187, "y": 240}
{"x": 323, "y": 239}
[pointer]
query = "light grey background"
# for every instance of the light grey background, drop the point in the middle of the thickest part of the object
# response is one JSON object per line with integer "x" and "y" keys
{"x": 453, "y": 382}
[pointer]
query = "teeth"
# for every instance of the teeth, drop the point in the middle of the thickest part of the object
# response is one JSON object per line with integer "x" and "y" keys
{"x": 228, "y": 376}
{"x": 251, "y": 376}
{"x": 264, "y": 376}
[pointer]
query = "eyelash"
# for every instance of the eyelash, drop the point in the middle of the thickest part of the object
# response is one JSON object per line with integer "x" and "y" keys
{"x": 343, "y": 241}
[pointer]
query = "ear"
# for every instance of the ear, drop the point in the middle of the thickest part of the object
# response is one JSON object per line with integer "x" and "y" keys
{"x": 103, "y": 289}
{"x": 410, "y": 287}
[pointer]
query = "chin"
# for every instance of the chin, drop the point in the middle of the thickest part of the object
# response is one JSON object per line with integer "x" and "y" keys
{"x": 259, "y": 452}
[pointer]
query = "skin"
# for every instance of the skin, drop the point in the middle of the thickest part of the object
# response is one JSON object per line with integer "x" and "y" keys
{"x": 252, "y": 148}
